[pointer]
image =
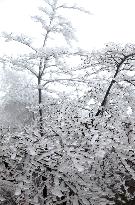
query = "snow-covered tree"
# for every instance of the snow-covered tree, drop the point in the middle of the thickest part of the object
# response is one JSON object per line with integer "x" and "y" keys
{"x": 47, "y": 63}
{"x": 111, "y": 75}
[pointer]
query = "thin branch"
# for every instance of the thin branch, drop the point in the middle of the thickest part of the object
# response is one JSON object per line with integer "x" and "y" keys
{"x": 83, "y": 108}
{"x": 130, "y": 81}
{"x": 44, "y": 67}
{"x": 10, "y": 37}
{"x": 74, "y": 7}
{"x": 66, "y": 79}
{"x": 32, "y": 72}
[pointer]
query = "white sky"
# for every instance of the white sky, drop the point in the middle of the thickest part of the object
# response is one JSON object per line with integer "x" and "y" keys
{"x": 112, "y": 20}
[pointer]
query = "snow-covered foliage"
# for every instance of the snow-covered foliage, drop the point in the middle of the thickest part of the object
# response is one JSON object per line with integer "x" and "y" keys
{"x": 70, "y": 164}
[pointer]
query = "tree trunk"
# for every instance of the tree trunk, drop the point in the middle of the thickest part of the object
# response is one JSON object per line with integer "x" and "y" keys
{"x": 40, "y": 109}
{"x": 105, "y": 97}
{"x": 103, "y": 103}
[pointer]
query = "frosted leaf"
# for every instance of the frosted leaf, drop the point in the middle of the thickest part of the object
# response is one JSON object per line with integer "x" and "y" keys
{"x": 2, "y": 198}
{"x": 56, "y": 191}
{"x": 94, "y": 138}
{"x": 32, "y": 151}
{"x": 18, "y": 191}
{"x": 129, "y": 110}
{"x": 91, "y": 102}
{"x": 20, "y": 185}
{"x": 100, "y": 153}
{"x": 13, "y": 156}
{"x": 36, "y": 199}
{"x": 62, "y": 168}
{"x": 75, "y": 201}
{"x": 56, "y": 181}
{"x": 62, "y": 187}
{"x": 78, "y": 166}
{"x": 85, "y": 201}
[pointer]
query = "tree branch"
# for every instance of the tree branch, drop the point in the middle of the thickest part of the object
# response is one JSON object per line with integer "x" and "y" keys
{"x": 64, "y": 6}
{"x": 19, "y": 39}
{"x": 103, "y": 103}
{"x": 66, "y": 79}
{"x": 128, "y": 81}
